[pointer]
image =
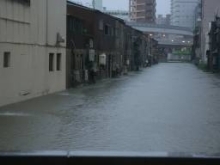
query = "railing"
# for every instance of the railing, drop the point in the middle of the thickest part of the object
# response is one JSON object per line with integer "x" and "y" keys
{"x": 159, "y": 26}
{"x": 81, "y": 158}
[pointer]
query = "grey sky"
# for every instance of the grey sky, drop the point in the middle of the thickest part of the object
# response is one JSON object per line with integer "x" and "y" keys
{"x": 163, "y": 6}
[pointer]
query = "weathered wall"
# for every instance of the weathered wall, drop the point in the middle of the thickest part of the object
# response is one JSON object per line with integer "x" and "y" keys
{"x": 29, "y": 33}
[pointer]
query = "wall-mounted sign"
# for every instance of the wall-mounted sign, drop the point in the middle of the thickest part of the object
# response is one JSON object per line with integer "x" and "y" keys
{"x": 102, "y": 59}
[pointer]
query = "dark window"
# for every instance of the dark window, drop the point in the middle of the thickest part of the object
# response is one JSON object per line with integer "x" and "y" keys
{"x": 24, "y": 2}
{"x": 107, "y": 30}
{"x": 75, "y": 25}
{"x": 6, "y": 60}
{"x": 51, "y": 64}
{"x": 59, "y": 61}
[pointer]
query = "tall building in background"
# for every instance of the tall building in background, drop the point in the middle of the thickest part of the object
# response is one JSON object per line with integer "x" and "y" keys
{"x": 97, "y": 4}
{"x": 161, "y": 20}
{"x": 183, "y": 13}
{"x": 143, "y": 11}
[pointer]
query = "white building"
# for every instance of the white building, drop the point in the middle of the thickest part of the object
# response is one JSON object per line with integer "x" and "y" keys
{"x": 183, "y": 12}
{"x": 122, "y": 14}
{"x": 32, "y": 48}
{"x": 97, "y": 4}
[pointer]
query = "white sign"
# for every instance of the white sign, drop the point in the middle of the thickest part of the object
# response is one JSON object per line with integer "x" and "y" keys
{"x": 102, "y": 59}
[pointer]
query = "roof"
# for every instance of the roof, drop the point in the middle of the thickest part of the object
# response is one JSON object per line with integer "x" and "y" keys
{"x": 93, "y": 10}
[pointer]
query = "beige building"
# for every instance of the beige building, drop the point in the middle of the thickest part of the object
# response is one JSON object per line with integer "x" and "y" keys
{"x": 143, "y": 11}
{"x": 209, "y": 9}
{"x": 32, "y": 48}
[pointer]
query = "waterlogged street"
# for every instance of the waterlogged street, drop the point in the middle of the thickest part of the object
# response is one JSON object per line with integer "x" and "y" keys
{"x": 171, "y": 107}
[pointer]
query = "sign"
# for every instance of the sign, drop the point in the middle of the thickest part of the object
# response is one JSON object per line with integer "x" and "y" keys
{"x": 102, "y": 59}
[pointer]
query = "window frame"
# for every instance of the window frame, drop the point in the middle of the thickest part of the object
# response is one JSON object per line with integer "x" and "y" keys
{"x": 51, "y": 62}
{"x": 59, "y": 62}
{"x": 6, "y": 59}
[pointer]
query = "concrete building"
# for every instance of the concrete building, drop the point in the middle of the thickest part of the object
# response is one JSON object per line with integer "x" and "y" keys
{"x": 183, "y": 12}
{"x": 97, "y": 4}
{"x": 210, "y": 8}
{"x": 122, "y": 14}
{"x": 161, "y": 20}
{"x": 142, "y": 11}
{"x": 32, "y": 48}
{"x": 198, "y": 15}
{"x": 168, "y": 19}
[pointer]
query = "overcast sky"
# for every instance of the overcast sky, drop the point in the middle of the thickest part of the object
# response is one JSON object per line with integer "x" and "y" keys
{"x": 163, "y": 6}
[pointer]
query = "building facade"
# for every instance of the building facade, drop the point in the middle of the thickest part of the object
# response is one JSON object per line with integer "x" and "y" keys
{"x": 161, "y": 20}
{"x": 183, "y": 12}
{"x": 32, "y": 48}
{"x": 210, "y": 8}
{"x": 142, "y": 11}
{"x": 122, "y": 14}
{"x": 101, "y": 42}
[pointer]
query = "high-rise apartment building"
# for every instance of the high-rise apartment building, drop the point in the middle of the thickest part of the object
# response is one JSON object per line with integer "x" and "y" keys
{"x": 142, "y": 11}
{"x": 161, "y": 20}
{"x": 183, "y": 13}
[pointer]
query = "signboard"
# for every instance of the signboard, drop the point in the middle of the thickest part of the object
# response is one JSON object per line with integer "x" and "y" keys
{"x": 102, "y": 59}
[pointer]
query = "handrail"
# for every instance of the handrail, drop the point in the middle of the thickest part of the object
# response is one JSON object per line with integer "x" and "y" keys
{"x": 159, "y": 26}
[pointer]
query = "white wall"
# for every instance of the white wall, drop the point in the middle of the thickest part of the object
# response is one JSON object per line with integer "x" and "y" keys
{"x": 26, "y": 34}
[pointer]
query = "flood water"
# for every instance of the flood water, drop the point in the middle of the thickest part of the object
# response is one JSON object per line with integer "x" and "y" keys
{"x": 170, "y": 107}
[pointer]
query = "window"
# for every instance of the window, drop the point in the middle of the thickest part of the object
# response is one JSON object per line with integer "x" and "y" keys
{"x": 107, "y": 30}
{"x": 51, "y": 64}
{"x": 6, "y": 60}
{"x": 59, "y": 61}
{"x": 24, "y": 2}
{"x": 75, "y": 25}
{"x": 100, "y": 24}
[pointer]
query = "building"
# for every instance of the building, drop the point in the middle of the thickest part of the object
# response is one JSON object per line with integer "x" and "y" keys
{"x": 101, "y": 42}
{"x": 95, "y": 40}
{"x": 196, "y": 49}
{"x": 183, "y": 13}
{"x": 122, "y": 14}
{"x": 198, "y": 15}
{"x": 143, "y": 11}
{"x": 32, "y": 48}
{"x": 210, "y": 8}
{"x": 168, "y": 19}
{"x": 161, "y": 20}
{"x": 97, "y": 4}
